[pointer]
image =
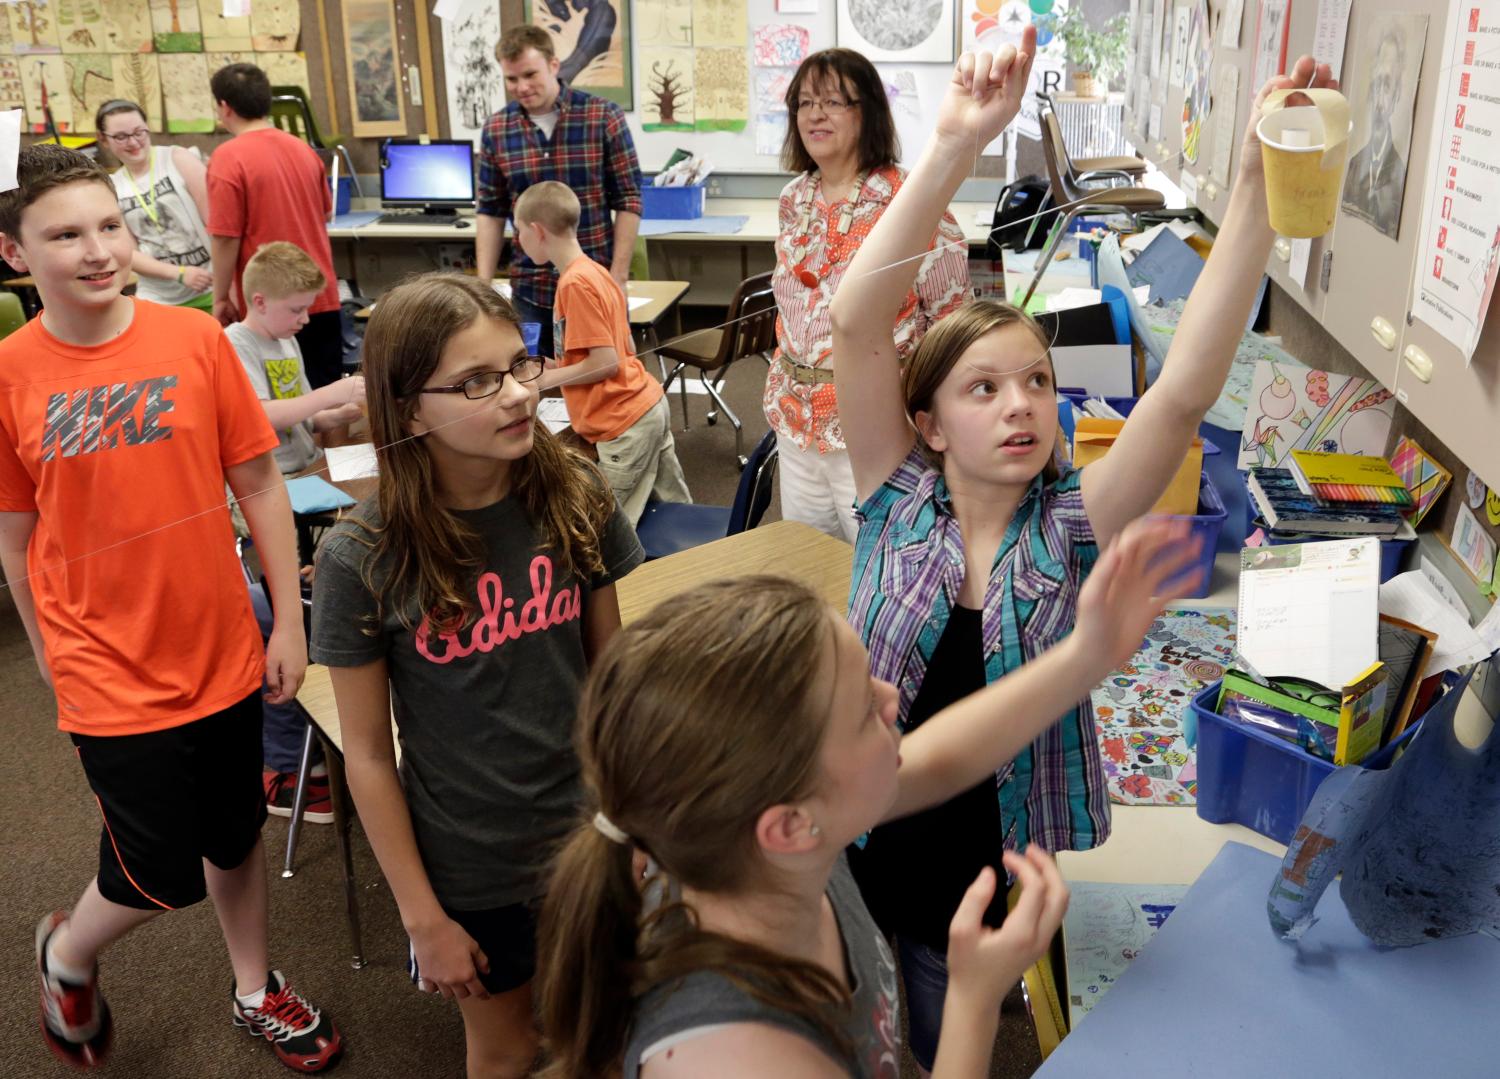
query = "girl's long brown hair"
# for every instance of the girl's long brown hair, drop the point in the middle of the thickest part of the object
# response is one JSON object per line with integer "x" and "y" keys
{"x": 429, "y": 554}
{"x": 697, "y": 718}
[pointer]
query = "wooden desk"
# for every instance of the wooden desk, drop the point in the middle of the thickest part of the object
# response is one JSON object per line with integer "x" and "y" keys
{"x": 662, "y": 297}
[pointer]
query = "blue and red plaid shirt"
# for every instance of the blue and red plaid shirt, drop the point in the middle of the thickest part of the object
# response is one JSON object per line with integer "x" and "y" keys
{"x": 590, "y": 150}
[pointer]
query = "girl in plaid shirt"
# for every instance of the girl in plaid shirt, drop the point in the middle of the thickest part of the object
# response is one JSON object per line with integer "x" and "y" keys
{"x": 973, "y": 546}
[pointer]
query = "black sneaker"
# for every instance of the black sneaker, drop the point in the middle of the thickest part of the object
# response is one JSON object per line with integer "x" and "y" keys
{"x": 75, "y": 1020}
{"x": 301, "y": 1036}
{"x": 281, "y": 790}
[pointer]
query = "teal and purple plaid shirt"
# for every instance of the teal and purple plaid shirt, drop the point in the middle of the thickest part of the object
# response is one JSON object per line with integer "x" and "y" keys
{"x": 590, "y": 150}
{"x": 908, "y": 568}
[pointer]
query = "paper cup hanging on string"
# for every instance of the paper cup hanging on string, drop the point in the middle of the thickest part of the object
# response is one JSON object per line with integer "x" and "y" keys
{"x": 1304, "y": 149}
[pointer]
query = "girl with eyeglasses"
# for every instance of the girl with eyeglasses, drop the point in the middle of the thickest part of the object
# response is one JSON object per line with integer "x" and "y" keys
{"x": 467, "y": 600}
{"x": 842, "y": 143}
{"x": 163, "y": 193}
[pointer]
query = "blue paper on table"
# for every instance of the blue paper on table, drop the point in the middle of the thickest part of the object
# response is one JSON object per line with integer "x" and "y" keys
{"x": 354, "y": 219}
{"x": 1215, "y": 994}
{"x": 1418, "y": 843}
{"x": 721, "y": 225}
{"x": 1168, "y": 265}
{"x": 314, "y": 494}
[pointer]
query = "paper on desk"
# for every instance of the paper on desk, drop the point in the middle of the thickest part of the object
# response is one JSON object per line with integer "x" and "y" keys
{"x": 637, "y": 301}
{"x": 1411, "y": 596}
{"x": 1139, "y": 241}
{"x": 553, "y": 411}
{"x": 1070, "y": 298}
{"x": 10, "y": 147}
{"x": 356, "y": 462}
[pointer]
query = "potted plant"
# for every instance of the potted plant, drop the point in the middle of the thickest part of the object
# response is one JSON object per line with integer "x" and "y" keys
{"x": 1096, "y": 55}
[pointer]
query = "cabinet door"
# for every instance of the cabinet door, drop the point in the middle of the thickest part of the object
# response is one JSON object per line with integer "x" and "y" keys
{"x": 1460, "y": 404}
{"x": 1370, "y": 290}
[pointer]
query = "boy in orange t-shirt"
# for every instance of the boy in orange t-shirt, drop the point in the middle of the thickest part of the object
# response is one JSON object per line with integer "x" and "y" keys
{"x": 120, "y": 424}
{"x": 612, "y": 401}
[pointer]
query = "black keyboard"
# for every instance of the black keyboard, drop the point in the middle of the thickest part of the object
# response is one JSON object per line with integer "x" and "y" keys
{"x": 416, "y": 219}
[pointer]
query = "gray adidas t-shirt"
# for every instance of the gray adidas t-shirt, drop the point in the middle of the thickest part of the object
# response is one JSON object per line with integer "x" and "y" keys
{"x": 275, "y": 370}
{"x": 872, "y": 1025}
{"x": 485, "y": 715}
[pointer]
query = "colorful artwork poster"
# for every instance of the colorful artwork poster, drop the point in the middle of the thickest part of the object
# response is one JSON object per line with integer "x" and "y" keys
{"x": 1195, "y": 87}
{"x": 1305, "y": 409}
{"x": 175, "y": 26}
{"x": 475, "y": 83}
{"x": 667, "y": 77}
{"x": 905, "y": 31}
{"x": 986, "y": 25}
{"x": 33, "y": 29}
{"x": 592, "y": 40}
{"x": 721, "y": 89}
{"x": 1139, "y": 709}
{"x": 137, "y": 78}
{"x": 781, "y": 45}
{"x": 1423, "y": 476}
{"x": 373, "y": 65}
{"x": 1105, "y": 928}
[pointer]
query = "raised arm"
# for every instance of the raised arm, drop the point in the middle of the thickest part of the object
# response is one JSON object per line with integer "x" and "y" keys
{"x": 974, "y": 738}
{"x": 983, "y": 96}
{"x": 1127, "y": 481}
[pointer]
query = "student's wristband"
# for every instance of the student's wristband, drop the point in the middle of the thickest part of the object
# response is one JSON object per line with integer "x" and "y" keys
{"x": 181, "y": 270}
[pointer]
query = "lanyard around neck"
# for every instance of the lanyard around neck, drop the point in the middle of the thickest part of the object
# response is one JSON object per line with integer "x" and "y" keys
{"x": 148, "y": 199}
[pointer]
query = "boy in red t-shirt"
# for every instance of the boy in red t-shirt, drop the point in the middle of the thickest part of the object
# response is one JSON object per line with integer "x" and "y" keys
{"x": 121, "y": 422}
{"x": 266, "y": 185}
{"x": 612, "y": 401}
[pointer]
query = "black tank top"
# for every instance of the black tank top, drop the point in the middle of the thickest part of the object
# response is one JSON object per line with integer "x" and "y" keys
{"x": 914, "y": 871}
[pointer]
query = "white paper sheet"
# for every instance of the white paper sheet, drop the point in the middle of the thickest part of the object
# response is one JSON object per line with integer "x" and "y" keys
{"x": 1102, "y": 369}
{"x": 356, "y": 462}
{"x": 1411, "y": 596}
{"x": 1297, "y": 264}
{"x": 1331, "y": 31}
{"x": 553, "y": 411}
{"x": 1310, "y": 610}
{"x": 637, "y": 301}
{"x": 10, "y": 147}
{"x": 1231, "y": 21}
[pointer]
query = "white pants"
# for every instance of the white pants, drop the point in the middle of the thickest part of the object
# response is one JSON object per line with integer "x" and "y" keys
{"x": 817, "y": 488}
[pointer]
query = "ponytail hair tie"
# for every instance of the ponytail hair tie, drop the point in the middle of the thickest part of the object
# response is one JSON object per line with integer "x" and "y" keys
{"x": 608, "y": 829}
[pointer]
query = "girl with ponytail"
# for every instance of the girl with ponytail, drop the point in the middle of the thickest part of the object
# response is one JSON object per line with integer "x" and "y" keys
{"x": 467, "y": 600}
{"x": 735, "y": 740}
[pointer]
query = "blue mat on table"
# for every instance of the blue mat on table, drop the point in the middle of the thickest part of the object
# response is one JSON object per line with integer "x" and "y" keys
{"x": 353, "y": 219}
{"x": 726, "y": 225}
{"x": 314, "y": 494}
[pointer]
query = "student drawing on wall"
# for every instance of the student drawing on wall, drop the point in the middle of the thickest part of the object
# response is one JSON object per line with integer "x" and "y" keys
{"x": 593, "y": 21}
{"x": 1376, "y": 182}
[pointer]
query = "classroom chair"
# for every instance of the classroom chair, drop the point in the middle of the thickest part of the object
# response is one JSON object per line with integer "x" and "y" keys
{"x": 668, "y": 527}
{"x": 1085, "y": 170}
{"x": 1130, "y": 201}
{"x": 750, "y": 330}
{"x": 291, "y": 112}
{"x": 12, "y": 314}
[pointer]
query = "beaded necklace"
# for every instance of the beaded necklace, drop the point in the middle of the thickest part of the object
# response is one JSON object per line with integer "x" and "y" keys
{"x": 839, "y": 246}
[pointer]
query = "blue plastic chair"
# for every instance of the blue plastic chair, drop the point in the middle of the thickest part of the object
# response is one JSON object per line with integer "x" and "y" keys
{"x": 668, "y": 527}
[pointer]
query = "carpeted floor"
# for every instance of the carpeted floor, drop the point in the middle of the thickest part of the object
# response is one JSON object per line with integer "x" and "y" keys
{"x": 168, "y": 983}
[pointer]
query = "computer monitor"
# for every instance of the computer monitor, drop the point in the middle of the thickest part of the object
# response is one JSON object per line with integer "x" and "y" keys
{"x": 435, "y": 175}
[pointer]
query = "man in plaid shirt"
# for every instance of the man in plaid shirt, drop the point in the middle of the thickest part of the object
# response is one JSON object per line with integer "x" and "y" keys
{"x": 549, "y": 131}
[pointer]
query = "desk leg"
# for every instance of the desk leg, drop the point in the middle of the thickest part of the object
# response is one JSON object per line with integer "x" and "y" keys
{"x": 338, "y": 791}
{"x": 653, "y": 346}
{"x": 299, "y": 804}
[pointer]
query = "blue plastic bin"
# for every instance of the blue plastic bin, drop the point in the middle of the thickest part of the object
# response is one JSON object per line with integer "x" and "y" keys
{"x": 672, "y": 203}
{"x": 1206, "y": 524}
{"x": 344, "y": 196}
{"x": 1392, "y": 551}
{"x": 1248, "y": 777}
{"x": 531, "y": 337}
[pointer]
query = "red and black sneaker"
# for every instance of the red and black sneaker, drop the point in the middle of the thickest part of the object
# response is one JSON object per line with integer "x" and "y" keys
{"x": 281, "y": 789}
{"x": 301, "y": 1036}
{"x": 75, "y": 1020}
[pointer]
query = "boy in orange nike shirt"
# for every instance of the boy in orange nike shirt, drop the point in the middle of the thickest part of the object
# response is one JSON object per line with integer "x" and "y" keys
{"x": 120, "y": 424}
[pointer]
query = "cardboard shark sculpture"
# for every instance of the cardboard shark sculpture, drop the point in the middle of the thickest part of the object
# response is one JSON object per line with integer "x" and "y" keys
{"x": 1418, "y": 843}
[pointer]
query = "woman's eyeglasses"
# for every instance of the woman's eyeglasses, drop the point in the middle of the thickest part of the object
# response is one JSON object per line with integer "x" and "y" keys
{"x": 488, "y": 383}
{"x": 831, "y": 106}
{"x": 122, "y": 137}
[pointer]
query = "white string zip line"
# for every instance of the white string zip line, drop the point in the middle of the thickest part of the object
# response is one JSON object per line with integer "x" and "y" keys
{"x": 377, "y": 450}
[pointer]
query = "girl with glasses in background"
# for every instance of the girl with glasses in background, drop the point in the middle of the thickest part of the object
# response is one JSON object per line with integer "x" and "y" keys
{"x": 163, "y": 193}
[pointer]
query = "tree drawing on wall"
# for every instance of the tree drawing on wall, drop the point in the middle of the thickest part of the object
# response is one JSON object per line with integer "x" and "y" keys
{"x": 667, "y": 91}
{"x": 37, "y": 23}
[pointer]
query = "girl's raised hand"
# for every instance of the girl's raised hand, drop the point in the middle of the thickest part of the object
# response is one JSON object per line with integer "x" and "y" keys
{"x": 1140, "y": 571}
{"x": 1305, "y": 74}
{"x": 985, "y": 962}
{"x": 984, "y": 94}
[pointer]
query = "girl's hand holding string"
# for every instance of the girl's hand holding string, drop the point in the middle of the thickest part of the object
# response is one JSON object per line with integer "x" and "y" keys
{"x": 983, "y": 97}
{"x": 449, "y": 961}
